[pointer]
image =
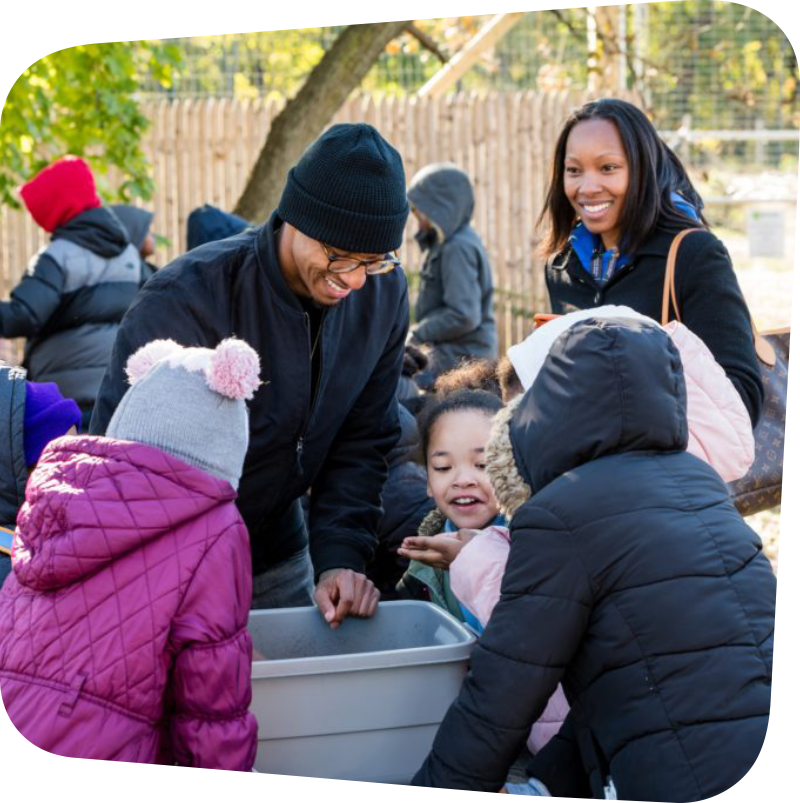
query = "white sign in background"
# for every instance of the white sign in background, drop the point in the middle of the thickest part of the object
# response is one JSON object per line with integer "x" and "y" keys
{"x": 765, "y": 231}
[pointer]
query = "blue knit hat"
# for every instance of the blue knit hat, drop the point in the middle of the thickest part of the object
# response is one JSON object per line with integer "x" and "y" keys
{"x": 348, "y": 191}
{"x": 48, "y": 415}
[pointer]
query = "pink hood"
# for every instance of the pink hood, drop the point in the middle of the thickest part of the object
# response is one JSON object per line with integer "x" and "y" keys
{"x": 126, "y": 612}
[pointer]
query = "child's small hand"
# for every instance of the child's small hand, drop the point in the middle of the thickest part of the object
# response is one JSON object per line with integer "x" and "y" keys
{"x": 438, "y": 551}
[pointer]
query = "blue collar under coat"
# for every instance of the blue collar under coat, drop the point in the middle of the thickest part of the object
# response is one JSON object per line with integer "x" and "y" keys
{"x": 589, "y": 246}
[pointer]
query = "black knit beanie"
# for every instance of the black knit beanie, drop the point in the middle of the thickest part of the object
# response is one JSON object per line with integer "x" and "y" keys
{"x": 349, "y": 191}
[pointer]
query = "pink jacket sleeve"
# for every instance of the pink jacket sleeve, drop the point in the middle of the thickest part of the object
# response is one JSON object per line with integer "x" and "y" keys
{"x": 211, "y": 726}
{"x": 477, "y": 573}
{"x": 476, "y": 576}
{"x": 720, "y": 431}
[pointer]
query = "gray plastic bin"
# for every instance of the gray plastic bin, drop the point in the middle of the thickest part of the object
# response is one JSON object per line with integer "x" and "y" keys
{"x": 360, "y": 703}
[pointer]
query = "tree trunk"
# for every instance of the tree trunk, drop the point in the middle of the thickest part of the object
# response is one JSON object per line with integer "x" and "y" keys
{"x": 327, "y": 87}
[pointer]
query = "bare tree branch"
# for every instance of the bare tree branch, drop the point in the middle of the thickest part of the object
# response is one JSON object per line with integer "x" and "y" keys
{"x": 428, "y": 42}
{"x": 336, "y": 75}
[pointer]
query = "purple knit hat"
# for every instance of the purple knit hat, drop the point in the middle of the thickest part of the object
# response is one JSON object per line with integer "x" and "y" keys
{"x": 48, "y": 415}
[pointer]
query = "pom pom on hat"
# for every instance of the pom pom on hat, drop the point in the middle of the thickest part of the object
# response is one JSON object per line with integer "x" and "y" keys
{"x": 142, "y": 360}
{"x": 233, "y": 371}
{"x": 189, "y": 402}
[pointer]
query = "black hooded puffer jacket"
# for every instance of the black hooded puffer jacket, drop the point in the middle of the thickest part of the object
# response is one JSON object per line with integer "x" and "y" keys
{"x": 631, "y": 579}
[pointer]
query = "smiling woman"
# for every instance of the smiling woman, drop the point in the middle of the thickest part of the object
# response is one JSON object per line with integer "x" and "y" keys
{"x": 617, "y": 197}
{"x": 596, "y": 178}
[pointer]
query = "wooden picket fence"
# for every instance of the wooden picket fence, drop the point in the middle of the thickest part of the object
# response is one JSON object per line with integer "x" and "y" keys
{"x": 202, "y": 151}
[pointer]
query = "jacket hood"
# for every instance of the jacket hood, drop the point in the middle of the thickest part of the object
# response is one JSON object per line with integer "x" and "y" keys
{"x": 136, "y": 222}
{"x": 92, "y": 500}
{"x": 528, "y": 356}
{"x": 207, "y": 224}
{"x": 98, "y": 230}
{"x": 13, "y": 470}
{"x": 61, "y": 191}
{"x": 606, "y": 387}
{"x": 443, "y": 193}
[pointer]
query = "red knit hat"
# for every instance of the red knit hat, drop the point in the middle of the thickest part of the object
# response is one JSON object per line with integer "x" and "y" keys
{"x": 61, "y": 191}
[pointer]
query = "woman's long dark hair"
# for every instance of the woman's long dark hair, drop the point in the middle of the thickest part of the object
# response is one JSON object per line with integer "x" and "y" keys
{"x": 654, "y": 172}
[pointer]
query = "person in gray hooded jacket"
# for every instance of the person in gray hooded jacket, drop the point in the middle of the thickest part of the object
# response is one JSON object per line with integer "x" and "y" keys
{"x": 453, "y": 314}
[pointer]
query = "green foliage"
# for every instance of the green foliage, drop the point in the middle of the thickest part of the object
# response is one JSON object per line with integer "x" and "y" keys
{"x": 247, "y": 65}
{"x": 725, "y": 64}
{"x": 82, "y": 101}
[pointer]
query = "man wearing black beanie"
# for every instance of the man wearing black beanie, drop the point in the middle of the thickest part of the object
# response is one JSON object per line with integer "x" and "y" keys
{"x": 318, "y": 292}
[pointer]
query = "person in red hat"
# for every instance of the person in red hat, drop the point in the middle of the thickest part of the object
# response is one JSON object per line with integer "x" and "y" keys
{"x": 70, "y": 301}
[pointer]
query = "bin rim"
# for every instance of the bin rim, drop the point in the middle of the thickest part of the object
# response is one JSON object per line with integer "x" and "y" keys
{"x": 378, "y": 659}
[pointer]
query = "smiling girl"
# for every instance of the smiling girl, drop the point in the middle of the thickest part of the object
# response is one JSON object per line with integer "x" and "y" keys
{"x": 460, "y": 555}
{"x": 617, "y": 197}
{"x": 454, "y": 431}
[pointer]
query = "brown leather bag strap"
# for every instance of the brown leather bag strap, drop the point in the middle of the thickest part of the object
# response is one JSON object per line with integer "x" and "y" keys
{"x": 669, "y": 278}
{"x": 764, "y": 349}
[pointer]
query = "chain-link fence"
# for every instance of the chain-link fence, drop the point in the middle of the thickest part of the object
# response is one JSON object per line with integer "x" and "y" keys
{"x": 698, "y": 65}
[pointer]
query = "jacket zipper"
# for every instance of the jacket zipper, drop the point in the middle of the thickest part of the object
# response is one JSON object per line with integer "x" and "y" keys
{"x": 312, "y": 403}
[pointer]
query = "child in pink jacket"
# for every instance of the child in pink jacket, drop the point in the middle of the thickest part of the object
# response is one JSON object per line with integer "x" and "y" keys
{"x": 123, "y": 627}
{"x": 454, "y": 432}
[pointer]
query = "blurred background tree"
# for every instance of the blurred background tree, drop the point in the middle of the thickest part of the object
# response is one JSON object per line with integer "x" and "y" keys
{"x": 83, "y": 101}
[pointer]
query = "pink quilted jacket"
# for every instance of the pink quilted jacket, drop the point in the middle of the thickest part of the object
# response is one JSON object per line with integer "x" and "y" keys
{"x": 720, "y": 431}
{"x": 475, "y": 578}
{"x": 123, "y": 626}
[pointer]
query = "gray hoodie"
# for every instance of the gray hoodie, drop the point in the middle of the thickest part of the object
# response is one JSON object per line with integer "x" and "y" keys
{"x": 454, "y": 307}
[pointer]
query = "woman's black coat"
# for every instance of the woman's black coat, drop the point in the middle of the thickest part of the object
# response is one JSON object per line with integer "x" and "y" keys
{"x": 710, "y": 301}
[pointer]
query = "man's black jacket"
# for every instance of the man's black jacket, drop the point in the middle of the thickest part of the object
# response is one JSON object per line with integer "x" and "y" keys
{"x": 338, "y": 445}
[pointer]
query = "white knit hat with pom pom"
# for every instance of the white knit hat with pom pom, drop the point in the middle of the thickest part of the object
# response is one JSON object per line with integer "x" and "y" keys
{"x": 190, "y": 403}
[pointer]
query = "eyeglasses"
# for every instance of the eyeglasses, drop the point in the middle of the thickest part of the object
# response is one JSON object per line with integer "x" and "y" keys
{"x": 337, "y": 263}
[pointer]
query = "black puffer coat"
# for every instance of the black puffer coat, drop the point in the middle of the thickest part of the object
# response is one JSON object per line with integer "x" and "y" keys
{"x": 70, "y": 303}
{"x": 13, "y": 471}
{"x": 631, "y": 579}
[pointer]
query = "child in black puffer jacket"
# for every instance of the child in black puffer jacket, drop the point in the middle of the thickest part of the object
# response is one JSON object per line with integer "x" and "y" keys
{"x": 631, "y": 579}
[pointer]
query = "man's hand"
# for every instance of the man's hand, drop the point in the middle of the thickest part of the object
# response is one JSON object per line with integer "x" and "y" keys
{"x": 438, "y": 551}
{"x": 342, "y": 592}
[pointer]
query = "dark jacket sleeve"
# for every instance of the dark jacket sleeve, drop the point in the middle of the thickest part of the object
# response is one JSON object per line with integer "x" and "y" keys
{"x": 346, "y": 495}
{"x": 159, "y": 311}
{"x": 533, "y": 633}
{"x": 460, "y": 312}
{"x": 712, "y": 306}
{"x": 559, "y": 766}
{"x": 33, "y": 300}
